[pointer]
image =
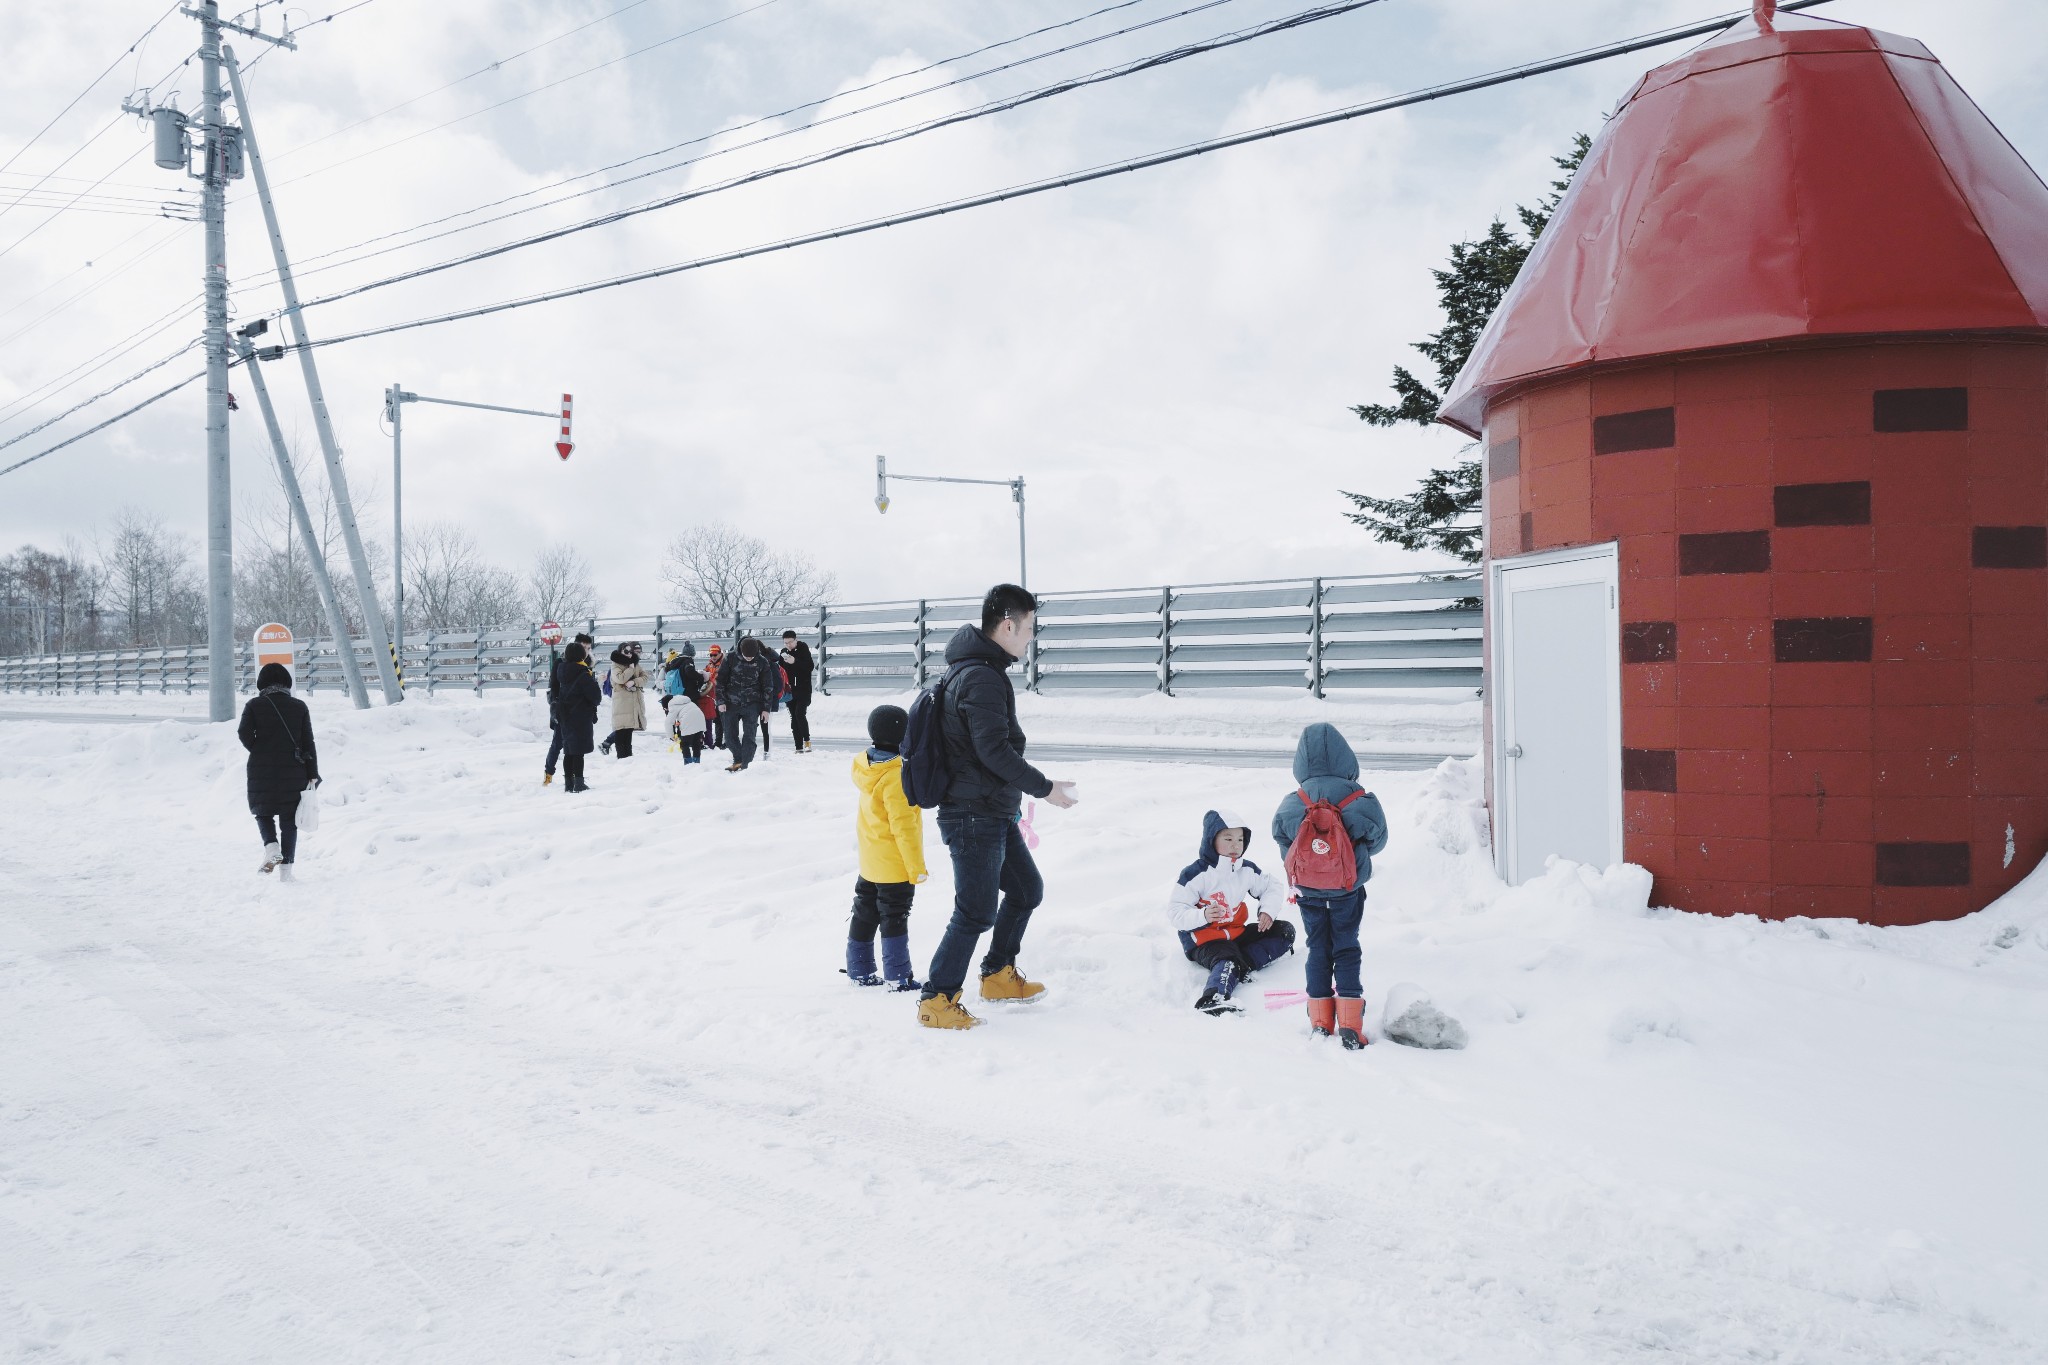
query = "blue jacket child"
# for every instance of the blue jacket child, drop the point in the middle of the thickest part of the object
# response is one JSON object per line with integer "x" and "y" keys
{"x": 1325, "y": 769}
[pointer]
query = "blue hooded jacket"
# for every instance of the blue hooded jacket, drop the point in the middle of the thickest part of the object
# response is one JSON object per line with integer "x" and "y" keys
{"x": 1327, "y": 770}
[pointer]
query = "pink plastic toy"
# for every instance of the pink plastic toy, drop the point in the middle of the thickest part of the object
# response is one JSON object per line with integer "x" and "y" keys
{"x": 1030, "y": 834}
{"x": 1280, "y": 1000}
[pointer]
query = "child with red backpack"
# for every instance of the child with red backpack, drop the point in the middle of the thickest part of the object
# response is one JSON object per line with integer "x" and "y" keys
{"x": 1330, "y": 827}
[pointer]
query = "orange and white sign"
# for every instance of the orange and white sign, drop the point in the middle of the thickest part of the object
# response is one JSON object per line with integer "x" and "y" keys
{"x": 273, "y": 645}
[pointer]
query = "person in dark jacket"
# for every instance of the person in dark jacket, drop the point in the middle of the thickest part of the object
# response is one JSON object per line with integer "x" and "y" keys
{"x": 554, "y": 696}
{"x": 680, "y": 678}
{"x": 277, "y": 730}
{"x": 978, "y": 818}
{"x": 797, "y": 662}
{"x": 577, "y": 714}
{"x": 745, "y": 683}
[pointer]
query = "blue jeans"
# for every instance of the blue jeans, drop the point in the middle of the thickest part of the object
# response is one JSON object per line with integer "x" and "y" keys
{"x": 989, "y": 861}
{"x": 554, "y": 747}
{"x": 1329, "y": 920}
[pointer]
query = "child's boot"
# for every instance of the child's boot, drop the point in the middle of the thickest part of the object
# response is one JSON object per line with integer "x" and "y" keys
{"x": 860, "y": 963}
{"x": 1351, "y": 1022}
{"x": 1322, "y": 1016}
{"x": 896, "y": 964}
{"x": 1215, "y": 998}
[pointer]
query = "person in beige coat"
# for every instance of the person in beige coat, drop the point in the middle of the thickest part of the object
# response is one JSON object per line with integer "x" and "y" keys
{"x": 629, "y": 698}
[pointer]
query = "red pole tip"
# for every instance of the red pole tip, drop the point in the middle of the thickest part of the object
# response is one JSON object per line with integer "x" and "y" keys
{"x": 1764, "y": 11}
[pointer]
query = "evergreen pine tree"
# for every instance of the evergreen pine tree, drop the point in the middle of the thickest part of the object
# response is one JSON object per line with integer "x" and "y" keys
{"x": 1442, "y": 512}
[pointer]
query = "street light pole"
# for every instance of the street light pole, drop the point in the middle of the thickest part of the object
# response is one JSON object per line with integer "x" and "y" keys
{"x": 1016, "y": 487}
{"x": 395, "y": 399}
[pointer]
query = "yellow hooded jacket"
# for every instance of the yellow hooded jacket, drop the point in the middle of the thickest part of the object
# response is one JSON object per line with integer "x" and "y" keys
{"x": 891, "y": 829}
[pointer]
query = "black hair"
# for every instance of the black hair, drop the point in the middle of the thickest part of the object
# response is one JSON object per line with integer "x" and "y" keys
{"x": 789, "y": 635}
{"x": 575, "y": 653}
{"x": 749, "y": 646}
{"x": 583, "y": 639}
{"x": 274, "y": 675}
{"x": 1005, "y": 600}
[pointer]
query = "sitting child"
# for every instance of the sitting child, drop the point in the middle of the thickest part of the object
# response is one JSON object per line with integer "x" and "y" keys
{"x": 891, "y": 858}
{"x": 1331, "y": 827}
{"x": 1209, "y": 909}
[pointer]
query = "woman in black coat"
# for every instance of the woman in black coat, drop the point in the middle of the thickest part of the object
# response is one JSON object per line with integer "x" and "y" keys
{"x": 277, "y": 730}
{"x": 576, "y": 713}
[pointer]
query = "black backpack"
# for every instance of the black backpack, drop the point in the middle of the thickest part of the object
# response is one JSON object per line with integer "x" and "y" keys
{"x": 926, "y": 776}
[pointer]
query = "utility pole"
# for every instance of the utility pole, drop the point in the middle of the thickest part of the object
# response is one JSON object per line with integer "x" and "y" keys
{"x": 337, "y": 621}
{"x": 330, "y": 450}
{"x": 219, "y": 160}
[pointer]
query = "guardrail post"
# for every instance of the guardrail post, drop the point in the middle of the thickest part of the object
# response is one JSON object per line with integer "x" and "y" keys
{"x": 477, "y": 676}
{"x": 660, "y": 646}
{"x": 824, "y": 652}
{"x": 1166, "y": 639}
{"x": 923, "y": 608}
{"x": 1315, "y": 638}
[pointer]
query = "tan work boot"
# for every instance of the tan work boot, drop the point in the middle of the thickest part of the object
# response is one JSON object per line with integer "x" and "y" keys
{"x": 1009, "y": 984}
{"x": 944, "y": 1011}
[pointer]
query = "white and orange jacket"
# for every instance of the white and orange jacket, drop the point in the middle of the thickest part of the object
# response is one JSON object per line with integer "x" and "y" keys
{"x": 1238, "y": 885}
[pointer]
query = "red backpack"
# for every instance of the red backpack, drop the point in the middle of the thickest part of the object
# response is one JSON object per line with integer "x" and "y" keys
{"x": 1322, "y": 856}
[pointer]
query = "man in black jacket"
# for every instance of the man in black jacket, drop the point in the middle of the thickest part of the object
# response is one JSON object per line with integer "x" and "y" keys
{"x": 988, "y": 778}
{"x": 796, "y": 658}
{"x": 746, "y": 685}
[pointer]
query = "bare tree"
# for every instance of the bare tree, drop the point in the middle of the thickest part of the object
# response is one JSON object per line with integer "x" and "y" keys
{"x": 151, "y": 582}
{"x": 449, "y": 585}
{"x": 717, "y": 570}
{"x": 558, "y": 586}
{"x": 50, "y": 603}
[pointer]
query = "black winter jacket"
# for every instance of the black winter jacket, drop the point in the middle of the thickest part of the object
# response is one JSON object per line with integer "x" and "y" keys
{"x": 577, "y": 706}
{"x": 693, "y": 681}
{"x": 747, "y": 686}
{"x": 277, "y": 730}
{"x": 797, "y": 660}
{"x": 984, "y": 743}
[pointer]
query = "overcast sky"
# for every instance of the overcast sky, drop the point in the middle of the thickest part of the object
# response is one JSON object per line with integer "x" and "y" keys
{"x": 1168, "y": 358}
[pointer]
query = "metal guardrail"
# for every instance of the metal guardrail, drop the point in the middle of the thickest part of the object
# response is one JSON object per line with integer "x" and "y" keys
{"x": 1390, "y": 631}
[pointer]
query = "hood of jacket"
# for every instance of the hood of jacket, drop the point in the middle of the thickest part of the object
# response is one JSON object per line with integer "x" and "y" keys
{"x": 1323, "y": 752}
{"x": 1213, "y": 824}
{"x": 873, "y": 766}
{"x": 969, "y": 642}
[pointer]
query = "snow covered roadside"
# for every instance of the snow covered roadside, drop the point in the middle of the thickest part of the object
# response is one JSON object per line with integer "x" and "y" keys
{"x": 512, "y": 1076}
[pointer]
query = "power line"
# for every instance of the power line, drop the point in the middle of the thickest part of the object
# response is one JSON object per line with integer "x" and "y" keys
{"x": 103, "y": 393}
{"x": 102, "y": 426}
{"x": 1504, "y": 76}
{"x": 527, "y": 94}
{"x": 1104, "y": 172}
{"x": 91, "y": 85}
{"x": 742, "y": 146}
{"x": 1181, "y": 53}
{"x": 20, "y": 304}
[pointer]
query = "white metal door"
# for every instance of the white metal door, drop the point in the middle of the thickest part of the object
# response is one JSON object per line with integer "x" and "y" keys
{"x": 1557, "y": 710}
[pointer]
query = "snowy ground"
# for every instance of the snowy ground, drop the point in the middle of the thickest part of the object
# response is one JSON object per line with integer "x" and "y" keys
{"x": 512, "y": 1076}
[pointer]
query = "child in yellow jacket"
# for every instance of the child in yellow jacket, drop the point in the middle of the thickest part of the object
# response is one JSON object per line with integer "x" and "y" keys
{"x": 891, "y": 858}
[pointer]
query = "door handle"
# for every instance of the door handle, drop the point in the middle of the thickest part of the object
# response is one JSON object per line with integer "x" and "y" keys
{"x": 1514, "y": 751}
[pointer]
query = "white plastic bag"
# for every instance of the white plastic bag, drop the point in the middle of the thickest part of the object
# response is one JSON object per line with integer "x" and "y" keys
{"x": 307, "y": 816}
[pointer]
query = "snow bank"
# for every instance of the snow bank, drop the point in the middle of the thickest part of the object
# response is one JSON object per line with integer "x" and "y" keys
{"x": 517, "y": 1076}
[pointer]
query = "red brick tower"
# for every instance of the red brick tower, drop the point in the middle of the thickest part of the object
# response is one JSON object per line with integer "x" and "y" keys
{"x": 1785, "y": 346}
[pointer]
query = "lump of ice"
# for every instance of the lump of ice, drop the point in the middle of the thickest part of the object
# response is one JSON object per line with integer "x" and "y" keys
{"x": 1412, "y": 1020}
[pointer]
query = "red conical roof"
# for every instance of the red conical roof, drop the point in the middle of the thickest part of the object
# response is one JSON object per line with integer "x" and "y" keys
{"x": 1807, "y": 180}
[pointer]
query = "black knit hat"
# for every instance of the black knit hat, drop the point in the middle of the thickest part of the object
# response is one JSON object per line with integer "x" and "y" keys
{"x": 885, "y": 727}
{"x": 274, "y": 675}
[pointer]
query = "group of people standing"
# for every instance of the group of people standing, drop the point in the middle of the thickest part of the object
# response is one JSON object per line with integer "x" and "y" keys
{"x": 727, "y": 704}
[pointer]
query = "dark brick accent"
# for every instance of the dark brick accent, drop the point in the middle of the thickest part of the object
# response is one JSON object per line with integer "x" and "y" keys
{"x": 1649, "y": 429}
{"x": 1504, "y": 459}
{"x": 1528, "y": 532}
{"x": 1649, "y": 642}
{"x": 1923, "y": 864}
{"x": 1725, "y": 552}
{"x": 1822, "y": 640}
{"x": 1920, "y": 410}
{"x": 1822, "y": 504}
{"x": 2009, "y": 547}
{"x": 1649, "y": 770}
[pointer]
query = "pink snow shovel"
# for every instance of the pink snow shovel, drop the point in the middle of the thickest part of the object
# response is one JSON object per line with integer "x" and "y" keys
{"x": 1024, "y": 825}
{"x": 1280, "y": 1000}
